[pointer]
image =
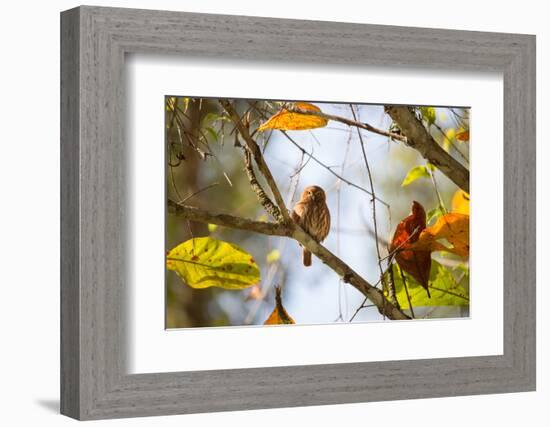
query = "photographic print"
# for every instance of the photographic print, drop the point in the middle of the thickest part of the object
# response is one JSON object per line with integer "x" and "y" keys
{"x": 296, "y": 212}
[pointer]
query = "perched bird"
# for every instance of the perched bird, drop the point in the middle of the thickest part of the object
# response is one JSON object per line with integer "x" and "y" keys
{"x": 312, "y": 214}
{"x": 416, "y": 263}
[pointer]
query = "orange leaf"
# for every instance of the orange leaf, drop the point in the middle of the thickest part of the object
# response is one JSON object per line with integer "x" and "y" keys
{"x": 416, "y": 262}
{"x": 463, "y": 135}
{"x": 461, "y": 202}
{"x": 285, "y": 120}
{"x": 279, "y": 316}
{"x": 454, "y": 227}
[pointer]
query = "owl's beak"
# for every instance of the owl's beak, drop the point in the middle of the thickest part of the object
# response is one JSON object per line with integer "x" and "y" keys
{"x": 312, "y": 196}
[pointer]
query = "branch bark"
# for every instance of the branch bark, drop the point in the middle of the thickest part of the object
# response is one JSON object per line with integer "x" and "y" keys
{"x": 203, "y": 216}
{"x": 263, "y": 198}
{"x": 259, "y": 159}
{"x": 420, "y": 139}
{"x": 294, "y": 231}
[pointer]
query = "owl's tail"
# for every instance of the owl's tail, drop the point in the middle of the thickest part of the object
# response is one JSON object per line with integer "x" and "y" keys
{"x": 306, "y": 257}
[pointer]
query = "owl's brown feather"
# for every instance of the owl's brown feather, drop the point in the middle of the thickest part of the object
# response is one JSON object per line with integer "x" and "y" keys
{"x": 312, "y": 214}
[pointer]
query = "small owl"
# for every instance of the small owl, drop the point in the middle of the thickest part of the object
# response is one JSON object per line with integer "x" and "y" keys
{"x": 312, "y": 214}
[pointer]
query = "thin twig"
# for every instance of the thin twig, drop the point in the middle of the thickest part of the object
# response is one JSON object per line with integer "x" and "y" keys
{"x": 452, "y": 144}
{"x": 404, "y": 280}
{"x": 208, "y": 187}
{"x": 292, "y": 108}
{"x": 392, "y": 295}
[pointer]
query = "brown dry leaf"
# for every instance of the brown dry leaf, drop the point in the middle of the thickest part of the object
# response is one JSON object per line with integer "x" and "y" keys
{"x": 463, "y": 136}
{"x": 285, "y": 120}
{"x": 454, "y": 227}
{"x": 416, "y": 262}
{"x": 279, "y": 316}
{"x": 461, "y": 202}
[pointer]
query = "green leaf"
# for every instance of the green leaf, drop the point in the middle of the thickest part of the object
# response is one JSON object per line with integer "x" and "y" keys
{"x": 448, "y": 288}
{"x": 434, "y": 214}
{"x": 204, "y": 262}
{"x": 428, "y": 114}
{"x": 209, "y": 118}
{"x": 213, "y": 134}
{"x": 414, "y": 174}
{"x": 273, "y": 256}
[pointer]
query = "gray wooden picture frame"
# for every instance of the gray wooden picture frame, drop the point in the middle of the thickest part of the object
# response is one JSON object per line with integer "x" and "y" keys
{"x": 94, "y": 41}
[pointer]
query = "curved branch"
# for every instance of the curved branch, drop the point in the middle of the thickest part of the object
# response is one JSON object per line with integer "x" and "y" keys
{"x": 420, "y": 139}
{"x": 294, "y": 231}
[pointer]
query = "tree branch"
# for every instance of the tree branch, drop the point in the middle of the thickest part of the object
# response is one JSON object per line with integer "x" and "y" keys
{"x": 420, "y": 139}
{"x": 263, "y": 198}
{"x": 294, "y": 231}
{"x": 201, "y": 215}
{"x": 259, "y": 159}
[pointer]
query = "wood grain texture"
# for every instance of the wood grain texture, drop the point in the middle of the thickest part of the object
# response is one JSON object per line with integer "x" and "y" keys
{"x": 70, "y": 292}
{"x": 94, "y": 382}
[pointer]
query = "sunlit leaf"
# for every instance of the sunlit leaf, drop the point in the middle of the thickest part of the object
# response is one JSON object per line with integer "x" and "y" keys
{"x": 463, "y": 135}
{"x": 434, "y": 214}
{"x": 212, "y": 133}
{"x": 452, "y": 227}
{"x": 286, "y": 120}
{"x": 279, "y": 316}
{"x": 414, "y": 174}
{"x": 204, "y": 262}
{"x": 450, "y": 133}
{"x": 428, "y": 114}
{"x": 447, "y": 288}
{"x": 273, "y": 256}
{"x": 461, "y": 202}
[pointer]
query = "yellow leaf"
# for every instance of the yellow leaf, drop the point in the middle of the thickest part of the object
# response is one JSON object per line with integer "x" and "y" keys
{"x": 453, "y": 227}
{"x": 463, "y": 135}
{"x": 461, "y": 202}
{"x": 279, "y": 316}
{"x": 212, "y": 227}
{"x": 450, "y": 133}
{"x": 285, "y": 120}
{"x": 204, "y": 262}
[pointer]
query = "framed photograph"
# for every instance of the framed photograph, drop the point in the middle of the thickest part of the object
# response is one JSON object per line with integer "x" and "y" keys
{"x": 295, "y": 213}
